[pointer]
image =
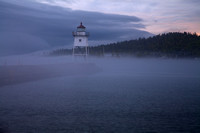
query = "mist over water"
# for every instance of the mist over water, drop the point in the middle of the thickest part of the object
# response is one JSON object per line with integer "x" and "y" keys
{"x": 101, "y": 95}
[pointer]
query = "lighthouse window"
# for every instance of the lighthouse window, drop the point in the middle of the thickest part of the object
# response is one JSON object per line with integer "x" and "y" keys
{"x": 79, "y": 40}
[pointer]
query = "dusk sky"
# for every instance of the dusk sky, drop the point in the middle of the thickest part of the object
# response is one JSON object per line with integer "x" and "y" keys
{"x": 158, "y": 15}
{"x": 31, "y": 25}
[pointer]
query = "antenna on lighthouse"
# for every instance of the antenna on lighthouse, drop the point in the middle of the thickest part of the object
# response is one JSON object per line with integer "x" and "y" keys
{"x": 80, "y": 47}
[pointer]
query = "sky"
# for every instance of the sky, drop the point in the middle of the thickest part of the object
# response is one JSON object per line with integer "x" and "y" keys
{"x": 158, "y": 15}
{"x": 31, "y": 25}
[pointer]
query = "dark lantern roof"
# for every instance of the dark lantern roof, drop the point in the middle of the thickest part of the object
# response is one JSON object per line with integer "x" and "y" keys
{"x": 81, "y": 26}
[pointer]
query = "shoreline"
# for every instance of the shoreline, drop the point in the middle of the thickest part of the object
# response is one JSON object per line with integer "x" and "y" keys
{"x": 15, "y": 74}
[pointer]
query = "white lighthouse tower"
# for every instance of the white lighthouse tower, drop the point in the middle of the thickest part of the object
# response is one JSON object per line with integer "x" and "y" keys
{"x": 80, "y": 41}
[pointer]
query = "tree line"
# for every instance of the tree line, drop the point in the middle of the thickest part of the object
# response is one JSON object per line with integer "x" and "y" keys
{"x": 174, "y": 44}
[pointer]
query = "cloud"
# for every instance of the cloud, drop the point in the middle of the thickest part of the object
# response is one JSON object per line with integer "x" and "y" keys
{"x": 18, "y": 43}
{"x": 46, "y": 26}
{"x": 168, "y": 14}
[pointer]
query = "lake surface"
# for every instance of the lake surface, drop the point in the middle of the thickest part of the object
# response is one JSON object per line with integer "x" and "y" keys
{"x": 128, "y": 95}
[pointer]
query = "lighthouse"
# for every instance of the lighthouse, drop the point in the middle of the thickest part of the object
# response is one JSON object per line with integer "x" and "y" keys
{"x": 80, "y": 47}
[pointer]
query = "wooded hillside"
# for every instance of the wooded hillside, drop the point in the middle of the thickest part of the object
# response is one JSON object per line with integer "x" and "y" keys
{"x": 169, "y": 45}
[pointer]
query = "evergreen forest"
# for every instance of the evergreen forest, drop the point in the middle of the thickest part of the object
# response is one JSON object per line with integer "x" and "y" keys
{"x": 173, "y": 44}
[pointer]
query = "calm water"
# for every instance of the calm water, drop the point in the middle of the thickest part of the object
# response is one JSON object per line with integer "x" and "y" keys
{"x": 128, "y": 95}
